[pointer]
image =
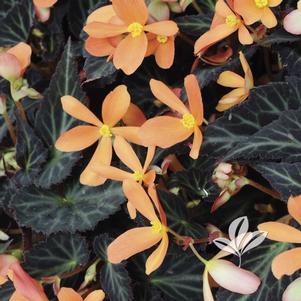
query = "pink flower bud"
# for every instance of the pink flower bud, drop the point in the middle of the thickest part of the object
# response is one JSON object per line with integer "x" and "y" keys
{"x": 292, "y": 22}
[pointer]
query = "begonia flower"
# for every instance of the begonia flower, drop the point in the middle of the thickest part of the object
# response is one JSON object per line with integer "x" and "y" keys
{"x": 140, "y": 174}
{"x": 288, "y": 262}
{"x": 69, "y": 294}
{"x": 139, "y": 239}
{"x": 42, "y": 9}
{"x": 225, "y": 22}
{"x": 134, "y": 116}
{"x": 5, "y": 262}
{"x": 166, "y": 131}
{"x": 229, "y": 276}
{"x": 114, "y": 108}
{"x": 242, "y": 85}
{"x": 292, "y": 22}
{"x": 44, "y": 3}
{"x": 131, "y": 22}
{"x": 257, "y": 10}
{"x": 14, "y": 61}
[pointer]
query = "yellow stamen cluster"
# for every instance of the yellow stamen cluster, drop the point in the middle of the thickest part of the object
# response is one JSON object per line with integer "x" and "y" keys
{"x": 162, "y": 39}
{"x": 188, "y": 121}
{"x": 158, "y": 227}
{"x": 138, "y": 176}
{"x": 232, "y": 20}
{"x": 105, "y": 131}
{"x": 261, "y": 3}
{"x": 135, "y": 29}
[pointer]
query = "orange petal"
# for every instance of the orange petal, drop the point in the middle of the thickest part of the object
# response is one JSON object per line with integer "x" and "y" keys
{"x": 194, "y": 98}
{"x": 103, "y": 156}
{"x": 231, "y": 79}
{"x": 213, "y": 36}
{"x": 130, "y": 53}
{"x": 10, "y": 68}
{"x": 132, "y": 242}
{"x": 5, "y": 263}
{"x": 77, "y": 138}
{"x": 249, "y": 81}
{"x": 233, "y": 278}
{"x": 115, "y": 105}
{"x": 25, "y": 285}
{"x": 281, "y": 232}
{"x": 112, "y": 173}
{"x": 293, "y": 291}
{"x": 149, "y": 157}
{"x": 222, "y": 8}
{"x": 149, "y": 178}
{"x": 22, "y": 52}
{"x": 131, "y": 11}
{"x": 134, "y": 116}
{"x": 152, "y": 192}
{"x": 17, "y": 297}
{"x": 248, "y": 10}
{"x": 99, "y": 47}
{"x": 163, "y": 131}
{"x": 126, "y": 154}
{"x": 165, "y": 53}
{"x": 286, "y": 263}
{"x": 130, "y": 133}
{"x": 167, "y": 96}
{"x": 44, "y": 3}
{"x": 152, "y": 45}
{"x": 268, "y": 18}
{"x": 104, "y": 30}
{"x": 164, "y": 28}
{"x": 76, "y": 109}
{"x": 97, "y": 295}
{"x": 207, "y": 294}
{"x": 197, "y": 142}
{"x": 132, "y": 210}
{"x": 139, "y": 199}
{"x": 244, "y": 35}
{"x": 155, "y": 260}
{"x": 69, "y": 294}
{"x": 102, "y": 14}
{"x": 231, "y": 99}
{"x": 294, "y": 207}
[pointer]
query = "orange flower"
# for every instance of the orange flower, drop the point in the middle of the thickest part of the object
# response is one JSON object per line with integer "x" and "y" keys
{"x": 27, "y": 288}
{"x": 114, "y": 108}
{"x": 163, "y": 48}
{"x": 166, "y": 131}
{"x": 257, "y": 10}
{"x": 44, "y": 3}
{"x": 126, "y": 154}
{"x": 225, "y": 22}
{"x": 132, "y": 17}
{"x": 242, "y": 85}
{"x": 134, "y": 116}
{"x": 229, "y": 276}
{"x": 289, "y": 261}
{"x": 14, "y": 61}
{"x": 68, "y": 294}
{"x": 139, "y": 239}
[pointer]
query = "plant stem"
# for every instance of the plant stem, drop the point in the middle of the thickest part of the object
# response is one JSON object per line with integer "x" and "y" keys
{"x": 10, "y": 127}
{"x": 197, "y": 7}
{"x": 175, "y": 234}
{"x": 196, "y": 253}
{"x": 205, "y": 121}
{"x": 21, "y": 110}
{"x": 268, "y": 191}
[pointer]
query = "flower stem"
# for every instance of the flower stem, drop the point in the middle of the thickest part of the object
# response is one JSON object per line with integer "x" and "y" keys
{"x": 10, "y": 127}
{"x": 196, "y": 253}
{"x": 268, "y": 191}
{"x": 21, "y": 110}
{"x": 175, "y": 234}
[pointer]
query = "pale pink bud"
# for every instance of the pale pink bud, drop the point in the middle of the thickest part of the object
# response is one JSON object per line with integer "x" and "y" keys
{"x": 292, "y": 22}
{"x": 5, "y": 262}
{"x": 10, "y": 68}
{"x": 293, "y": 291}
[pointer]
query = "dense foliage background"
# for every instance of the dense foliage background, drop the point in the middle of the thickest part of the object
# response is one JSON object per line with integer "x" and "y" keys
{"x": 62, "y": 227}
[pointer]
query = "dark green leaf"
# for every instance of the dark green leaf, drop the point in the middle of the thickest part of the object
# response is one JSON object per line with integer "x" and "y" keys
{"x": 77, "y": 208}
{"x": 209, "y": 4}
{"x": 194, "y": 25}
{"x": 291, "y": 61}
{"x": 16, "y": 25}
{"x": 6, "y": 291}
{"x": 52, "y": 121}
{"x": 60, "y": 253}
{"x": 259, "y": 261}
{"x": 6, "y": 6}
{"x": 30, "y": 153}
{"x": 114, "y": 278}
{"x": 279, "y": 36}
{"x": 283, "y": 177}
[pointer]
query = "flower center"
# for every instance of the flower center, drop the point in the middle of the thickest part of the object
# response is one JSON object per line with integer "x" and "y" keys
{"x": 105, "y": 131}
{"x": 188, "y": 121}
{"x": 162, "y": 39}
{"x": 232, "y": 20}
{"x": 138, "y": 176}
{"x": 135, "y": 29}
{"x": 261, "y": 3}
{"x": 158, "y": 227}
